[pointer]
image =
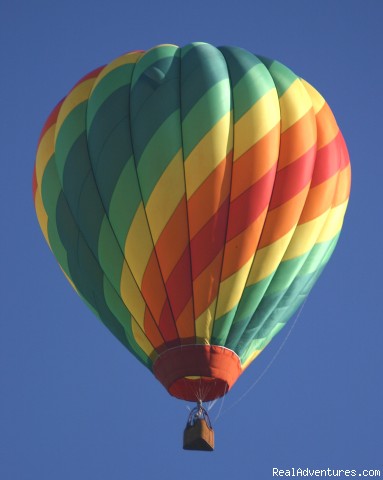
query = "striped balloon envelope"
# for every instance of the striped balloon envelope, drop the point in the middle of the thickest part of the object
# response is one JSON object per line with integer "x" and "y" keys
{"x": 192, "y": 196}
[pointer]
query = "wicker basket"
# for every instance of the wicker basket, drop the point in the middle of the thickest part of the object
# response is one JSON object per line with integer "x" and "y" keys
{"x": 199, "y": 436}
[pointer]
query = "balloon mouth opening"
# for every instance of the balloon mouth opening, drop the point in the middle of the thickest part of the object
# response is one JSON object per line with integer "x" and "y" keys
{"x": 196, "y": 389}
{"x": 198, "y": 372}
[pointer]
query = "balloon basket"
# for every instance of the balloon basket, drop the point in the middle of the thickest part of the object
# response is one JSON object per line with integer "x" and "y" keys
{"x": 199, "y": 434}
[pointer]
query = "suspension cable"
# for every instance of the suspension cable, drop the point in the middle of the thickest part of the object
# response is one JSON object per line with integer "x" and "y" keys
{"x": 263, "y": 373}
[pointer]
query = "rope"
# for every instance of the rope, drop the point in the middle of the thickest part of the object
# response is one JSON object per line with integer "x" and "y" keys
{"x": 265, "y": 369}
{"x": 220, "y": 408}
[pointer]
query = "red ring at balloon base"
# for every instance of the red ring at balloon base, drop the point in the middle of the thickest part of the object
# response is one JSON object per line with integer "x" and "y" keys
{"x": 216, "y": 368}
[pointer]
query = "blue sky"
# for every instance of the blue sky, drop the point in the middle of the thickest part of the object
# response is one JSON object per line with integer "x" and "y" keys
{"x": 73, "y": 403}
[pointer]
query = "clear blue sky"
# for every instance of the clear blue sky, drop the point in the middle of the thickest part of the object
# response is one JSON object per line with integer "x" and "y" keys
{"x": 73, "y": 403}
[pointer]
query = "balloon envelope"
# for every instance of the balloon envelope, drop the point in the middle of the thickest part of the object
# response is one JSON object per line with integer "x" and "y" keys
{"x": 192, "y": 197}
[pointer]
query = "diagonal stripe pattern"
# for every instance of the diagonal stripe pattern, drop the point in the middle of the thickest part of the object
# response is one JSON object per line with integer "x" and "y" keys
{"x": 192, "y": 196}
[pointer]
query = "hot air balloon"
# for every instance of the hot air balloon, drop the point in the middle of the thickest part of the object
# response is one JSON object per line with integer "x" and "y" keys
{"x": 192, "y": 197}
